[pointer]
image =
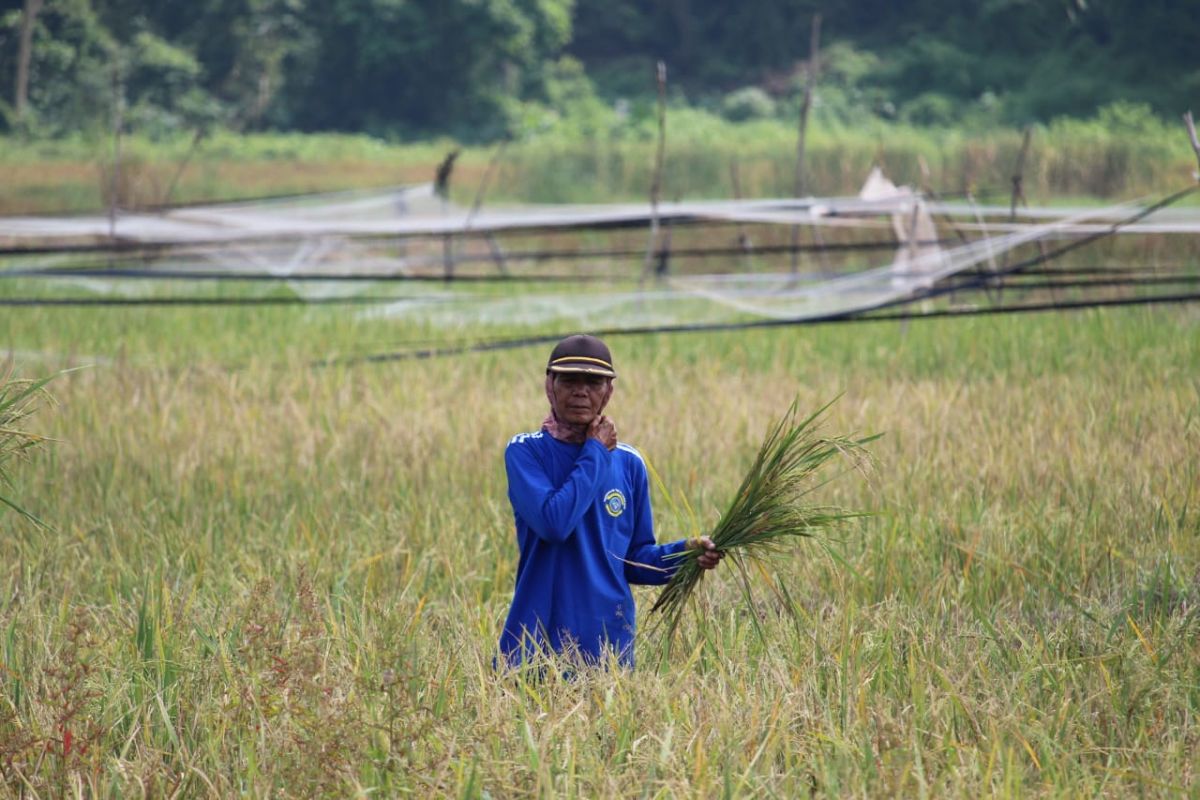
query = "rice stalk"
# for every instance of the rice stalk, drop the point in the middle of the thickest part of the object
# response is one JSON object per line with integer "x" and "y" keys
{"x": 769, "y": 510}
{"x": 18, "y": 399}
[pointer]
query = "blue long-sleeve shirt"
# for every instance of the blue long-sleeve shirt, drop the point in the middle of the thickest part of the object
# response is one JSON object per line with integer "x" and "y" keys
{"x": 585, "y": 533}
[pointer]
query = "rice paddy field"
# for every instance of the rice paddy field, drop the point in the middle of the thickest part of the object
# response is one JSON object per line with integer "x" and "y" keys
{"x": 267, "y": 577}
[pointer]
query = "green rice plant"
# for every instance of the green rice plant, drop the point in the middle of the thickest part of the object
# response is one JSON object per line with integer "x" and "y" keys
{"x": 770, "y": 509}
{"x": 1040, "y": 472}
{"x": 18, "y": 399}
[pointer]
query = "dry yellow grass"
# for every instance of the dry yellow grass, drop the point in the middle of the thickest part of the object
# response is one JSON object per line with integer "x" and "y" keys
{"x": 288, "y": 581}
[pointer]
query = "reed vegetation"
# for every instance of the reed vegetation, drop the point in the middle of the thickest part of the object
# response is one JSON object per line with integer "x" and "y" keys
{"x": 1123, "y": 152}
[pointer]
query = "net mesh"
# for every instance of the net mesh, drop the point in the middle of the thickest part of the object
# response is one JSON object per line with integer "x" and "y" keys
{"x": 350, "y": 239}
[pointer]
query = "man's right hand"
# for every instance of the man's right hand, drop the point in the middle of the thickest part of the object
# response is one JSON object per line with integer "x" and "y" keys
{"x": 710, "y": 556}
{"x": 604, "y": 431}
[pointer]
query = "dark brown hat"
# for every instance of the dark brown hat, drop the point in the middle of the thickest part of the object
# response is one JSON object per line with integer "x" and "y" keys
{"x": 581, "y": 353}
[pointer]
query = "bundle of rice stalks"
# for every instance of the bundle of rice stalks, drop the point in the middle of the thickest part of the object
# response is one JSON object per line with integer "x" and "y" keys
{"x": 769, "y": 510}
{"x": 18, "y": 400}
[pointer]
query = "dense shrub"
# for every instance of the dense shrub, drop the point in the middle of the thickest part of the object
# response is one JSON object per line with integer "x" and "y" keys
{"x": 746, "y": 104}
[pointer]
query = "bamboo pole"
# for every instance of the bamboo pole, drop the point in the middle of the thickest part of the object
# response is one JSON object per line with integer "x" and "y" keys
{"x": 1018, "y": 186}
{"x": 1191, "y": 129}
{"x": 1018, "y": 196}
{"x": 197, "y": 138}
{"x": 118, "y": 88}
{"x": 441, "y": 187}
{"x": 659, "y": 158}
{"x": 481, "y": 192}
{"x": 493, "y": 245}
{"x": 441, "y": 179}
{"x": 1018, "y": 176}
{"x": 743, "y": 234}
{"x": 810, "y": 84}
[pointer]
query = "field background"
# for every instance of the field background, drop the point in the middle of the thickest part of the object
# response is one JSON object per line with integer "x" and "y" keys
{"x": 1120, "y": 153}
{"x": 279, "y": 580}
{"x": 262, "y": 577}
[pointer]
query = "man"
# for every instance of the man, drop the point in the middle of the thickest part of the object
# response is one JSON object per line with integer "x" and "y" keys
{"x": 581, "y": 502}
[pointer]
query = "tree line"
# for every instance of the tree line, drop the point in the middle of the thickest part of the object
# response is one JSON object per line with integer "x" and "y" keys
{"x": 484, "y": 69}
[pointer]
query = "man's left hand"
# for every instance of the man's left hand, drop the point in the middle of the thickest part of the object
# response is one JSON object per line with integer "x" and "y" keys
{"x": 711, "y": 555}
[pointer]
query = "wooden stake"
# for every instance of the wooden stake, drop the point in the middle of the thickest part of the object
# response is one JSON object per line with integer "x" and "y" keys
{"x": 659, "y": 157}
{"x": 810, "y": 84}
{"x": 118, "y": 87}
{"x": 929, "y": 191}
{"x": 1018, "y": 177}
{"x": 497, "y": 254}
{"x": 196, "y": 139}
{"x": 743, "y": 235}
{"x": 1018, "y": 187}
{"x": 662, "y": 265}
{"x": 1191, "y": 129}
{"x": 979, "y": 220}
{"x": 441, "y": 178}
{"x": 493, "y": 162}
{"x": 493, "y": 245}
{"x": 1018, "y": 195}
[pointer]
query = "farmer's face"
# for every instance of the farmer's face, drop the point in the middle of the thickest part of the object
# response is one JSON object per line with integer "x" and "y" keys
{"x": 579, "y": 398}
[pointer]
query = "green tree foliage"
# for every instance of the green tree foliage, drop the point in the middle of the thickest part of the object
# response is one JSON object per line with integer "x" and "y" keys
{"x": 933, "y": 61}
{"x": 408, "y": 65}
{"x": 70, "y": 67}
{"x": 423, "y": 65}
{"x": 481, "y": 69}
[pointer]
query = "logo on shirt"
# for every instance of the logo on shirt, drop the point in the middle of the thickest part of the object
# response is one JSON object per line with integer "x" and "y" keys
{"x": 614, "y": 503}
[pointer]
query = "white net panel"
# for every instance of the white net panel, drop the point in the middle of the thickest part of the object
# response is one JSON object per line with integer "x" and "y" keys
{"x": 397, "y": 232}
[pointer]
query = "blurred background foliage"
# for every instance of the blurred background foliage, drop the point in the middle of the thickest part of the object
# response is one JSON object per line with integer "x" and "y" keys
{"x": 482, "y": 70}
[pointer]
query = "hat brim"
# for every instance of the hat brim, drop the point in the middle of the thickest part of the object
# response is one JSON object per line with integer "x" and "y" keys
{"x": 583, "y": 369}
